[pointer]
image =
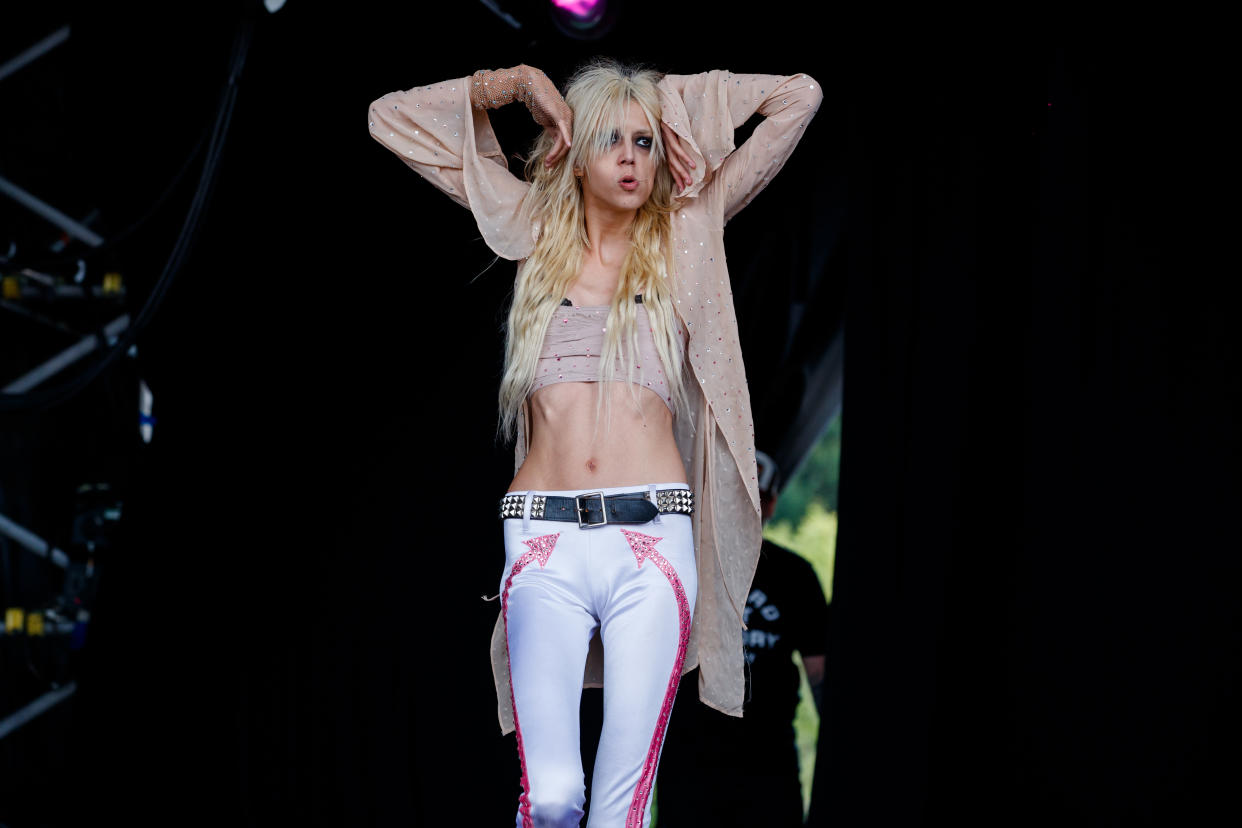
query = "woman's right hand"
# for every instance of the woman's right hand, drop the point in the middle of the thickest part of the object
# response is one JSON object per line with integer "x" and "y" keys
{"x": 550, "y": 111}
{"x": 563, "y": 130}
{"x": 532, "y": 87}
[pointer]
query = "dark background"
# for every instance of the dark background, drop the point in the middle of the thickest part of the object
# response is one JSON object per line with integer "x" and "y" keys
{"x": 1036, "y": 612}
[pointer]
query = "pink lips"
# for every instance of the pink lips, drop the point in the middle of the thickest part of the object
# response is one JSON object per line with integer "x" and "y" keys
{"x": 628, "y": 183}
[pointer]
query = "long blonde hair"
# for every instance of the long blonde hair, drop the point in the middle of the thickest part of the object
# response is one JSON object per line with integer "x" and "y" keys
{"x": 599, "y": 94}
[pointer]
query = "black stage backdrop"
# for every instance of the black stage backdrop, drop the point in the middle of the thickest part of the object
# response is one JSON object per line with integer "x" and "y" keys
{"x": 1036, "y": 594}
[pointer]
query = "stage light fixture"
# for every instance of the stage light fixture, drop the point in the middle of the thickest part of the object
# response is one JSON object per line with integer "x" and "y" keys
{"x": 584, "y": 19}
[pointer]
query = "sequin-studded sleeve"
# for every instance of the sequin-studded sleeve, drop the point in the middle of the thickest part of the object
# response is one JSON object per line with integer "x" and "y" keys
{"x": 438, "y": 134}
{"x": 705, "y": 109}
{"x": 787, "y": 105}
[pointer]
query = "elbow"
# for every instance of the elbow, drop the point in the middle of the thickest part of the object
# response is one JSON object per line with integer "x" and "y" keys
{"x": 374, "y": 121}
{"x": 796, "y": 93}
{"x": 380, "y": 114}
{"x": 812, "y": 91}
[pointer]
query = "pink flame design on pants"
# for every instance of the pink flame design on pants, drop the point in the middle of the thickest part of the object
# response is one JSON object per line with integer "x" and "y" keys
{"x": 539, "y": 549}
{"x": 644, "y": 549}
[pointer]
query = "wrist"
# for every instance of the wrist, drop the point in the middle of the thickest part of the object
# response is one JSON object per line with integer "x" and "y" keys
{"x": 493, "y": 88}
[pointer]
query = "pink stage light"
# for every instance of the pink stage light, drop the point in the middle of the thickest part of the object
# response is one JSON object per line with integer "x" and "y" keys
{"x": 580, "y": 8}
{"x": 583, "y": 19}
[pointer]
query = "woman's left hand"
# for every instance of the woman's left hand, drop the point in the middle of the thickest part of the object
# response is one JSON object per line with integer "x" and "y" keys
{"x": 679, "y": 161}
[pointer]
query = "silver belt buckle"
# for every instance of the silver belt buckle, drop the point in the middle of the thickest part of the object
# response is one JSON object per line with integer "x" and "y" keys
{"x": 603, "y": 509}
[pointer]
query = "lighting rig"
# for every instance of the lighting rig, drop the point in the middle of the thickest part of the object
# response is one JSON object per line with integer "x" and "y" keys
{"x": 76, "y": 314}
{"x": 577, "y": 19}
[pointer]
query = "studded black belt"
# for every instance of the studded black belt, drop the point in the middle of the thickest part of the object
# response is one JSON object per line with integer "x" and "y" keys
{"x": 598, "y": 509}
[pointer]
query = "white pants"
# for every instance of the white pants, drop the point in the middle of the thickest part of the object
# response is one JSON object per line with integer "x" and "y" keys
{"x": 632, "y": 584}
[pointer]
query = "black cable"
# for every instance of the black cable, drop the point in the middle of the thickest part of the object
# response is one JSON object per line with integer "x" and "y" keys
{"x": 46, "y": 397}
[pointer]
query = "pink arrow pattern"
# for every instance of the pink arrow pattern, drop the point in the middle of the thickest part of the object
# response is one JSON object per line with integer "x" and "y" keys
{"x": 538, "y": 549}
{"x": 644, "y": 549}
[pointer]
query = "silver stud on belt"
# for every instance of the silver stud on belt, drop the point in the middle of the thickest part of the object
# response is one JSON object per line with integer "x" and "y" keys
{"x": 668, "y": 502}
{"x": 673, "y": 501}
{"x": 511, "y": 506}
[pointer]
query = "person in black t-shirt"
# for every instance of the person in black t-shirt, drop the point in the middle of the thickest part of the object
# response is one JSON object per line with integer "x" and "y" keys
{"x": 748, "y": 767}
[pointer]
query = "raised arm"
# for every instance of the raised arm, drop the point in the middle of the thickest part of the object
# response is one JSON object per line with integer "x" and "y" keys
{"x": 716, "y": 103}
{"x": 442, "y": 132}
{"x": 787, "y": 105}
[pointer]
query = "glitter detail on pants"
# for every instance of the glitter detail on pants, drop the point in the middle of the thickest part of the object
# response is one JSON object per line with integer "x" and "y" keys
{"x": 643, "y": 547}
{"x": 539, "y": 549}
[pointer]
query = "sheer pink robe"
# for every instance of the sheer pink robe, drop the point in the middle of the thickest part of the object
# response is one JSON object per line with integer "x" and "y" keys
{"x": 435, "y": 131}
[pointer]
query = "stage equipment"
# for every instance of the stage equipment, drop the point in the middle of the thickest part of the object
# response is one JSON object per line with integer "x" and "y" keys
{"x": 41, "y": 208}
{"x": 32, "y": 542}
{"x": 126, "y": 332}
{"x": 35, "y": 52}
{"x": 495, "y": 9}
{"x": 60, "y": 620}
{"x": 68, "y": 356}
{"x": 584, "y": 19}
{"x": 40, "y": 705}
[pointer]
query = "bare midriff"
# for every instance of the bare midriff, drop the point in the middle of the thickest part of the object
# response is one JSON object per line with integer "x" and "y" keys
{"x": 633, "y": 447}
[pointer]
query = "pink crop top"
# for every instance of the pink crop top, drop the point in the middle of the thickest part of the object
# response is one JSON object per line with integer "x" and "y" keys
{"x": 573, "y": 342}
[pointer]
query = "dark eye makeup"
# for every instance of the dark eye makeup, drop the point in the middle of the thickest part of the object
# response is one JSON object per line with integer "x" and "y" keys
{"x": 644, "y": 141}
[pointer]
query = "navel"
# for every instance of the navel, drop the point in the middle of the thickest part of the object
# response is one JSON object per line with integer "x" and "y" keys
{"x": 591, "y": 464}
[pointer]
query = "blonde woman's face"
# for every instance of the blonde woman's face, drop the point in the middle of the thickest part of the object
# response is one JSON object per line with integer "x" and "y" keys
{"x": 623, "y": 177}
